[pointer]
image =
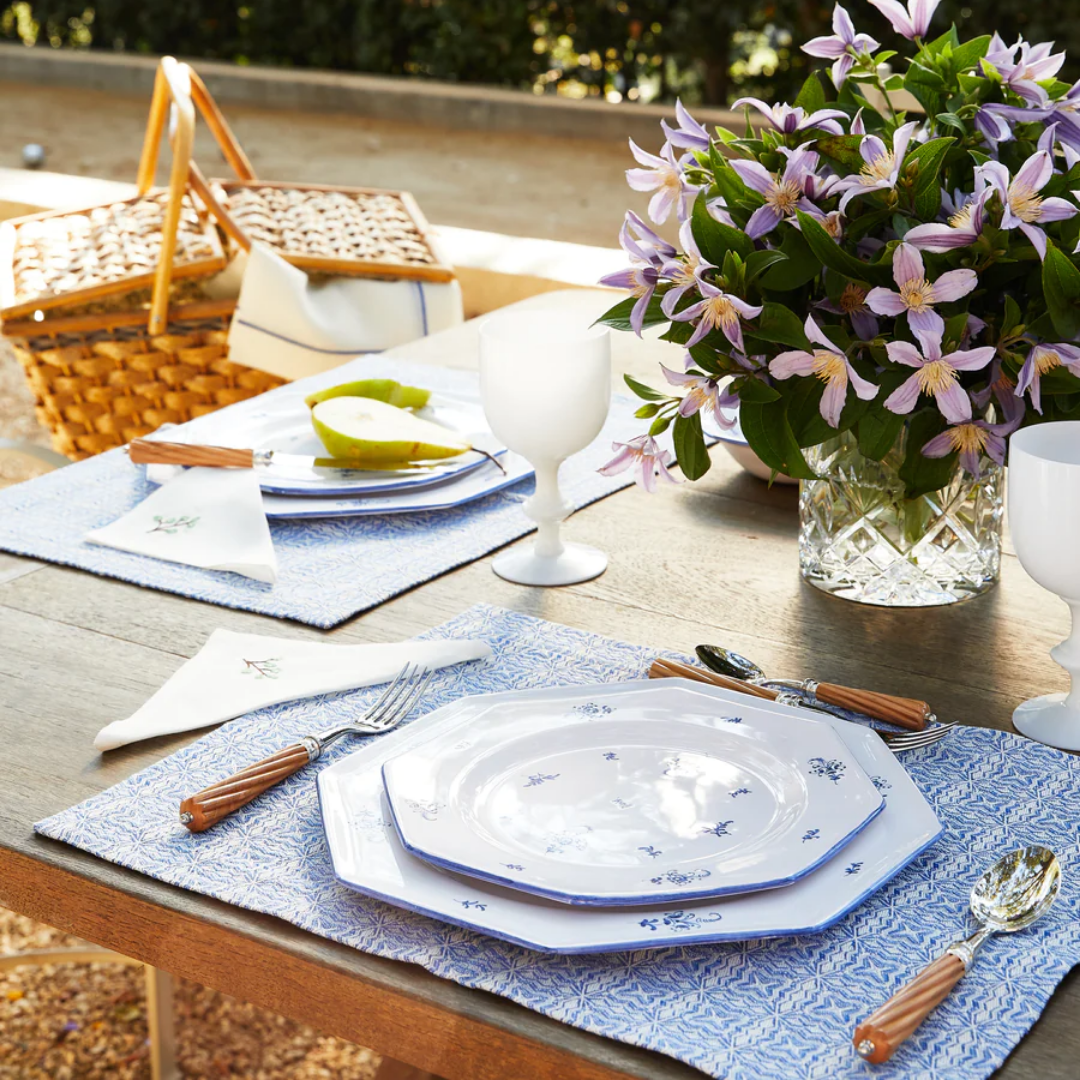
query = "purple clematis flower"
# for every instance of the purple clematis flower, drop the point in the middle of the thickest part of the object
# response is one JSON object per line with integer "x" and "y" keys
{"x": 936, "y": 375}
{"x": 689, "y": 135}
{"x": 1002, "y": 389}
{"x": 685, "y": 272}
{"x": 665, "y": 176}
{"x": 702, "y": 392}
{"x": 1022, "y": 73}
{"x": 788, "y": 119}
{"x": 1049, "y": 141}
{"x": 1023, "y": 207}
{"x": 882, "y": 166}
{"x": 841, "y": 47}
{"x": 828, "y": 363}
{"x": 641, "y": 281}
{"x": 966, "y": 220}
{"x": 1040, "y": 360}
{"x": 911, "y": 22}
{"x": 644, "y": 454}
{"x": 783, "y": 192}
{"x": 917, "y": 296}
{"x": 994, "y": 124}
{"x": 971, "y": 439}
{"x": 641, "y": 243}
{"x": 852, "y": 303}
{"x": 717, "y": 310}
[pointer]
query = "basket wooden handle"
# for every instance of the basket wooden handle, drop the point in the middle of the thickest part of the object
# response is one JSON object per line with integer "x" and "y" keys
{"x": 152, "y": 452}
{"x": 905, "y": 712}
{"x": 675, "y": 669}
{"x": 209, "y": 806}
{"x": 878, "y": 1037}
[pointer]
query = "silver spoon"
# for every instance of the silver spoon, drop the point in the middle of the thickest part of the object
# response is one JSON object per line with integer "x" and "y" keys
{"x": 1010, "y": 896}
{"x": 905, "y": 712}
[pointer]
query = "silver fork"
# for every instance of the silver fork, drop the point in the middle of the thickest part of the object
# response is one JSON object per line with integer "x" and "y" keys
{"x": 899, "y": 741}
{"x": 209, "y": 806}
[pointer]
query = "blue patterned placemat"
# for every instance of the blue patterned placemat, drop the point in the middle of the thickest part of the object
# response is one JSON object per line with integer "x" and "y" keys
{"x": 782, "y": 1009}
{"x": 328, "y": 569}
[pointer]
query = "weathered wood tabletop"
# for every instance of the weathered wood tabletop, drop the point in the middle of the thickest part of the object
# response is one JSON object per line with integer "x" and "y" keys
{"x": 715, "y": 561}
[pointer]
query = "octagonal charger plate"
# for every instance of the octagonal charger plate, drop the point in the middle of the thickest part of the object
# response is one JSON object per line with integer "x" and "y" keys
{"x": 654, "y": 796}
{"x": 368, "y": 856}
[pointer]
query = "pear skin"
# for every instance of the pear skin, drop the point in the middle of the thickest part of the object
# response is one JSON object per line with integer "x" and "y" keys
{"x": 372, "y": 432}
{"x": 388, "y": 390}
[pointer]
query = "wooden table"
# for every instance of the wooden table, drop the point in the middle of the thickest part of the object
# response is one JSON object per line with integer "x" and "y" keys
{"x": 715, "y": 561}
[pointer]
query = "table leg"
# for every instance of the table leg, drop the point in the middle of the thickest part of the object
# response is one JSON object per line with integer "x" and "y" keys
{"x": 389, "y": 1069}
{"x": 159, "y": 1021}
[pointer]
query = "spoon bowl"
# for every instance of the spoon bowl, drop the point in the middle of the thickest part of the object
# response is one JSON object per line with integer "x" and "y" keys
{"x": 725, "y": 662}
{"x": 1017, "y": 889}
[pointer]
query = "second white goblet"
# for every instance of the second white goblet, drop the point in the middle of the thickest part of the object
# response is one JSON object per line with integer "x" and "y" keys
{"x": 545, "y": 382}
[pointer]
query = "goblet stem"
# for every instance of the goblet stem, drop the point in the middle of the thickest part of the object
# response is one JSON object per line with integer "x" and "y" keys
{"x": 547, "y": 509}
{"x": 1067, "y": 654}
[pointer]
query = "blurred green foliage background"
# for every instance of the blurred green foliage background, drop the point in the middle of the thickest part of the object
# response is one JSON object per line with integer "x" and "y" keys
{"x": 707, "y": 51}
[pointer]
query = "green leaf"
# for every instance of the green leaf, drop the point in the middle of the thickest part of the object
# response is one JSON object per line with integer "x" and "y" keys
{"x": 755, "y": 390}
{"x": 843, "y": 149}
{"x": 689, "y": 442}
{"x": 1061, "y": 286}
{"x": 758, "y": 262}
{"x": 955, "y": 326}
{"x": 801, "y": 265}
{"x": 878, "y": 427}
{"x": 835, "y": 257}
{"x": 1012, "y": 318}
{"x": 727, "y": 180}
{"x": 646, "y": 393}
{"x": 714, "y": 239}
{"x": 648, "y": 411}
{"x": 777, "y": 323}
{"x": 812, "y": 95}
{"x": 951, "y": 120}
{"x": 970, "y": 53}
{"x": 921, "y": 474}
{"x": 660, "y": 425}
{"x": 930, "y": 158}
{"x": 770, "y": 436}
{"x": 925, "y": 86}
{"x": 618, "y": 317}
{"x": 950, "y": 38}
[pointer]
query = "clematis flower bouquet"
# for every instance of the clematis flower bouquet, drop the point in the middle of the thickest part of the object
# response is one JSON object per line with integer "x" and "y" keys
{"x": 908, "y": 277}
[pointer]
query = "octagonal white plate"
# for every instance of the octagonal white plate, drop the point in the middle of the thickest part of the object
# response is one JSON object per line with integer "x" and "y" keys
{"x": 654, "y": 797}
{"x": 285, "y": 425}
{"x": 367, "y": 855}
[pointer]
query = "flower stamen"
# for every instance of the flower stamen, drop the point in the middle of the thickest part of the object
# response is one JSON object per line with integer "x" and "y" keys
{"x": 878, "y": 170}
{"x": 936, "y": 376}
{"x": 917, "y": 294}
{"x": 968, "y": 439}
{"x": 852, "y": 299}
{"x": 783, "y": 196}
{"x": 829, "y": 367}
{"x": 1025, "y": 202}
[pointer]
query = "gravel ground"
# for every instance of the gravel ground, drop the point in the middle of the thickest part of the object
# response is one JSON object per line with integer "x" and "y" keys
{"x": 87, "y": 1022}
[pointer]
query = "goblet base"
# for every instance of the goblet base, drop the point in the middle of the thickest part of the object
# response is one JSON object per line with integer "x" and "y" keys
{"x": 1049, "y": 720}
{"x": 575, "y": 563}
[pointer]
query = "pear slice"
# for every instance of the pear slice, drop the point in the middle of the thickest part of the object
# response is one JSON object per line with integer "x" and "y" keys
{"x": 388, "y": 390}
{"x": 371, "y": 432}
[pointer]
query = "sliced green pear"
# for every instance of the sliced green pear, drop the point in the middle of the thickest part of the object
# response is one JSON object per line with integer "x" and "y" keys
{"x": 388, "y": 390}
{"x": 372, "y": 432}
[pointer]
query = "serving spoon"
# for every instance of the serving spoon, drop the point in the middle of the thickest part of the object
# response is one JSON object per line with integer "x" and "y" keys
{"x": 905, "y": 712}
{"x": 1010, "y": 896}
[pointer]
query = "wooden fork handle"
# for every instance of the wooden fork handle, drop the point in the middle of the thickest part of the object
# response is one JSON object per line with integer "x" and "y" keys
{"x": 675, "y": 669}
{"x": 905, "y": 712}
{"x": 877, "y": 1037}
{"x": 152, "y": 452}
{"x": 209, "y": 806}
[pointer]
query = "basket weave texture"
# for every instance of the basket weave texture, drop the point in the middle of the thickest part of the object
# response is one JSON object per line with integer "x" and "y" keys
{"x": 97, "y": 390}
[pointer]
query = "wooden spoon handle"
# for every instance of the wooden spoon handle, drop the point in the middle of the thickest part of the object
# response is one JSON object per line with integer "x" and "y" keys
{"x": 209, "y": 806}
{"x": 675, "y": 669}
{"x": 152, "y": 452}
{"x": 906, "y": 712}
{"x": 877, "y": 1037}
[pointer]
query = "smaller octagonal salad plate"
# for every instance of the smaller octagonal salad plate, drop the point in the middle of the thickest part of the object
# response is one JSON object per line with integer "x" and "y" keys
{"x": 656, "y": 796}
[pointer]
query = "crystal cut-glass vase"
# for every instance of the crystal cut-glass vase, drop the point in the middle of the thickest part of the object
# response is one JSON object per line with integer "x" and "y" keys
{"x": 861, "y": 539}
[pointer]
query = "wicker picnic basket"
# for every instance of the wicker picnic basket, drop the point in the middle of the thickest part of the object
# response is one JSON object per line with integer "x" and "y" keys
{"x": 108, "y": 308}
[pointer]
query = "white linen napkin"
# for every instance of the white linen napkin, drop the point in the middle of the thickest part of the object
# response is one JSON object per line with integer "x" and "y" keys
{"x": 291, "y": 326}
{"x": 234, "y": 674}
{"x": 211, "y": 518}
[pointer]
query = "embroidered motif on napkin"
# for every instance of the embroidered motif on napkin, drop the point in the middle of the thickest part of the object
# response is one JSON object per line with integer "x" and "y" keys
{"x": 211, "y": 518}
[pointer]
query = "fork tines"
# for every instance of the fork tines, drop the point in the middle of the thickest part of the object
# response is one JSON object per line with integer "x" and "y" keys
{"x": 400, "y": 696}
{"x": 912, "y": 740}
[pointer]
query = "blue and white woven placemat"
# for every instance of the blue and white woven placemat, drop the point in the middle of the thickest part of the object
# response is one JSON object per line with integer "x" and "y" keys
{"x": 328, "y": 569}
{"x": 768, "y": 1010}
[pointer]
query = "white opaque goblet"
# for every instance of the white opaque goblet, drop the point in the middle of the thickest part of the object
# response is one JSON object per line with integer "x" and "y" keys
{"x": 1044, "y": 521}
{"x": 545, "y": 381}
